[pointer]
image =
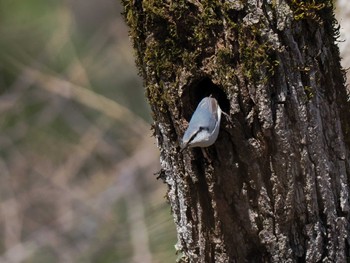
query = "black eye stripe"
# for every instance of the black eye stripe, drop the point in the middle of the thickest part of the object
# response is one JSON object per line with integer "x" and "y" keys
{"x": 195, "y": 134}
{"x": 203, "y": 129}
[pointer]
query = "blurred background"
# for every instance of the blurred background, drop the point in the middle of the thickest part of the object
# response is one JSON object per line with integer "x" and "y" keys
{"x": 77, "y": 160}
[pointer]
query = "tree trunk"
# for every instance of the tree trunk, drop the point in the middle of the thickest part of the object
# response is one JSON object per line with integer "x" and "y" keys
{"x": 275, "y": 185}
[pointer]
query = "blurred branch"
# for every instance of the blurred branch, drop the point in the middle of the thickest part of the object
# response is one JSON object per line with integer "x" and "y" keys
{"x": 88, "y": 141}
{"x": 138, "y": 231}
{"x": 86, "y": 97}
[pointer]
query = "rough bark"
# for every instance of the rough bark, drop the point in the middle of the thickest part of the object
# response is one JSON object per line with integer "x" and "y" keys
{"x": 275, "y": 187}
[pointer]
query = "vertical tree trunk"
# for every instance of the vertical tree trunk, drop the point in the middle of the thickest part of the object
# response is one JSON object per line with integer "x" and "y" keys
{"x": 275, "y": 187}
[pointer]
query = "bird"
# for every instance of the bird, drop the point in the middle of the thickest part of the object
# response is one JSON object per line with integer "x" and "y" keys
{"x": 204, "y": 125}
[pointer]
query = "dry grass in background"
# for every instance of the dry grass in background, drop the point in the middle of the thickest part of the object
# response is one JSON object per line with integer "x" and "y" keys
{"x": 76, "y": 154}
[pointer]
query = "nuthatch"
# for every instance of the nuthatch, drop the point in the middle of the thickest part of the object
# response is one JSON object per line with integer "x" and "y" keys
{"x": 204, "y": 125}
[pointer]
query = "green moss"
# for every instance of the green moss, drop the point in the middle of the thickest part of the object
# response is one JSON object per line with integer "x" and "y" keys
{"x": 308, "y": 9}
{"x": 309, "y": 92}
{"x": 155, "y": 93}
{"x": 255, "y": 54}
{"x": 253, "y": 57}
{"x": 224, "y": 56}
{"x": 182, "y": 36}
{"x": 169, "y": 36}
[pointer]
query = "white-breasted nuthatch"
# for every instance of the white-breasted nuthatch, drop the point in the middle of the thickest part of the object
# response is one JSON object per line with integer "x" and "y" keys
{"x": 204, "y": 125}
